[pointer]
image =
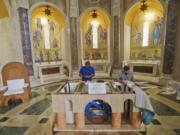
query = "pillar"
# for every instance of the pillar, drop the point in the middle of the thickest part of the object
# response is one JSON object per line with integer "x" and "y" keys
{"x": 116, "y": 41}
{"x": 116, "y": 31}
{"x": 73, "y": 43}
{"x": 136, "y": 119}
{"x": 116, "y": 120}
{"x": 61, "y": 120}
{"x": 74, "y": 13}
{"x": 25, "y": 39}
{"x": 170, "y": 41}
{"x": 79, "y": 120}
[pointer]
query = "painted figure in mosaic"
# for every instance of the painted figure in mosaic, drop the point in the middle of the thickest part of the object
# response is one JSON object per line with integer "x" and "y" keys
{"x": 56, "y": 56}
{"x": 38, "y": 33}
{"x": 137, "y": 36}
{"x": 39, "y": 25}
{"x": 157, "y": 31}
{"x": 102, "y": 33}
{"x": 37, "y": 57}
{"x": 55, "y": 44}
{"x": 88, "y": 36}
{"x": 142, "y": 55}
{"x": 155, "y": 55}
{"x": 52, "y": 26}
{"x": 98, "y": 55}
{"x": 41, "y": 56}
{"x": 105, "y": 34}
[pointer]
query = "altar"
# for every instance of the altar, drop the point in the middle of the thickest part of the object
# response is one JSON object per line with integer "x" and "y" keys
{"x": 144, "y": 67}
{"x": 77, "y": 108}
{"x": 50, "y": 71}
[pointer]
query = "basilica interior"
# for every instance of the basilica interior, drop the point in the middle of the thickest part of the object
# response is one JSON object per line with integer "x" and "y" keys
{"x": 44, "y": 44}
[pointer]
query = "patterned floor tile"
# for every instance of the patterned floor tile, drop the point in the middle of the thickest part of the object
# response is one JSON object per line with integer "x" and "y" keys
{"x": 37, "y": 108}
{"x": 13, "y": 130}
{"x": 162, "y": 109}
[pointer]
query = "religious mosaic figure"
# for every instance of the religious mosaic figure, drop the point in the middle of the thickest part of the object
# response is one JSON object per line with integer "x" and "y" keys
{"x": 155, "y": 55}
{"x": 41, "y": 56}
{"x": 102, "y": 33}
{"x": 56, "y": 56}
{"x": 88, "y": 36}
{"x": 37, "y": 57}
{"x": 157, "y": 31}
{"x": 142, "y": 55}
{"x": 55, "y": 44}
{"x": 137, "y": 36}
{"x": 38, "y": 33}
{"x": 98, "y": 55}
{"x": 52, "y": 26}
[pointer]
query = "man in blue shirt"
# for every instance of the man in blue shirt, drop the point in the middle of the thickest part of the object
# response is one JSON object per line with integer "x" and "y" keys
{"x": 87, "y": 72}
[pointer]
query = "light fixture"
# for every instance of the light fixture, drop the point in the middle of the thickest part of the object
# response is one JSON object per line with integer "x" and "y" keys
{"x": 94, "y": 14}
{"x": 47, "y": 10}
{"x": 144, "y": 5}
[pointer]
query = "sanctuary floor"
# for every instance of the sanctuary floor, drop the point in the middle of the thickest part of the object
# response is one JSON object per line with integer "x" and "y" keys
{"x": 36, "y": 117}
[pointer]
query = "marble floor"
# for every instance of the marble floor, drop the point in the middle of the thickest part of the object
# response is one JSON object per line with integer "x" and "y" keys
{"x": 37, "y": 118}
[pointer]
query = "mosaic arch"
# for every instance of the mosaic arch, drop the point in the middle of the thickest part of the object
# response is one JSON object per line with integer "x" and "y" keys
{"x": 94, "y": 35}
{"x": 47, "y": 33}
{"x": 145, "y": 30}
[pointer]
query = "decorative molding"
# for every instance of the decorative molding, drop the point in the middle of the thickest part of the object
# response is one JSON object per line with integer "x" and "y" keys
{"x": 23, "y": 3}
{"x": 73, "y": 8}
{"x": 115, "y": 7}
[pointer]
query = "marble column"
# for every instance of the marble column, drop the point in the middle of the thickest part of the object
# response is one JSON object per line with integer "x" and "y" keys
{"x": 73, "y": 42}
{"x": 25, "y": 39}
{"x": 79, "y": 119}
{"x": 61, "y": 120}
{"x": 136, "y": 119}
{"x": 116, "y": 120}
{"x": 116, "y": 41}
{"x": 170, "y": 37}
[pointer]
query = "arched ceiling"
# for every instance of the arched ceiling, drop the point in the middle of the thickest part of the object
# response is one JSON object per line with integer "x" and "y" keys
{"x": 39, "y": 12}
{"x": 102, "y": 17}
{"x": 3, "y": 10}
{"x": 153, "y": 5}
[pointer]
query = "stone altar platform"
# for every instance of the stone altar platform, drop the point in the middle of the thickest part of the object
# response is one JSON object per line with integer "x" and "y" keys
{"x": 71, "y": 103}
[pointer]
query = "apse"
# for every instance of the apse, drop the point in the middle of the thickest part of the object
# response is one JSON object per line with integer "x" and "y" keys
{"x": 47, "y": 26}
{"x": 144, "y": 28}
{"x": 95, "y": 32}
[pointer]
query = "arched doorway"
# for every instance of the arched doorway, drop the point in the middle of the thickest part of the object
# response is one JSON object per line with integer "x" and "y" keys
{"x": 144, "y": 31}
{"x": 95, "y": 37}
{"x": 47, "y": 30}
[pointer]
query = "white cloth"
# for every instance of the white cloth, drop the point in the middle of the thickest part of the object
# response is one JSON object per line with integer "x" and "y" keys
{"x": 141, "y": 99}
{"x": 96, "y": 88}
{"x": 15, "y": 84}
{"x": 15, "y": 87}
